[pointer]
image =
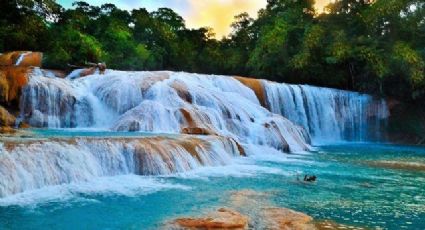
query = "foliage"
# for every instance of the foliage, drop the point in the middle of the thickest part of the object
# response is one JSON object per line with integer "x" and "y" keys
{"x": 373, "y": 46}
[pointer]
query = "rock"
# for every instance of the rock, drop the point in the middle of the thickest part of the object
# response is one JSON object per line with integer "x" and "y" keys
{"x": 134, "y": 126}
{"x": 196, "y": 131}
{"x": 6, "y": 119}
{"x": 286, "y": 219}
{"x": 21, "y": 58}
{"x": 327, "y": 224}
{"x": 12, "y": 80}
{"x": 182, "y": 90}
{"x": 223, "y": 218}
{"x": 401, "y": 165}
{"x": 54, "y": 73}
{"x": 7, "y": 130}
{"x": 256, "y": 86}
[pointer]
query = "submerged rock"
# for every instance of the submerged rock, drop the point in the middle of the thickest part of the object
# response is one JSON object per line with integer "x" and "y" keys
{"x": 286, "y": 219}
{"x": 223, "y": 218}
{"x": 402, "y": 165}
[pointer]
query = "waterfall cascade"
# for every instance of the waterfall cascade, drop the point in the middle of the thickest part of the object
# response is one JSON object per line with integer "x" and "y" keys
{"x": 233, "y": 113}
{"x": 328, "y": 114}
{"x": 37, "y": 163}
{"x": 164, "y": 102}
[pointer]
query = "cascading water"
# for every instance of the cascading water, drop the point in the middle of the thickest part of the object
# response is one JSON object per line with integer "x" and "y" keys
{"x": 328, "y": 115}
{"x": 38, "y": 163}
{"x": 163, "y": 102}
{"x": 237, "y": 114}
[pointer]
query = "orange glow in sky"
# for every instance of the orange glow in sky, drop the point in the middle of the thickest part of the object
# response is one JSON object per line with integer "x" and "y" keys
{"x": 219, "y": 14}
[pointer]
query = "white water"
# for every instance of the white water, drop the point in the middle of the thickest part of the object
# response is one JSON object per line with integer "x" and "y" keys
{"x": 163, "y": 102}
{"x": 21, "y": 58}
{"x": 36, "y": 164}
{"x": 169, "y": 102}
{"x": 328, "y": 115}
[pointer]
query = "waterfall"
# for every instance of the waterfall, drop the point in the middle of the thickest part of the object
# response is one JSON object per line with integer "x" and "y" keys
{"x": 222, "y": 116}
{"x": 328, "y": 115}
{"x": 38, "y": 163}
{"x": 162, "y": 102}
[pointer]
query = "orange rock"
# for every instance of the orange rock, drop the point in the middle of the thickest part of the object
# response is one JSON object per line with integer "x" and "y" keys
{"x": 188, "y": 117}
{"x": 240, "y": 148}
{"x": 6, "y": 119}
{"x": 87, "y": 71}
{"x": 56, "y": 73}
{"x": 182, "y": 91}
{"x": 12, "y": 80}
{"x": 220, "y": 219}
{"x": 286, "y": 219}
{"x": 327, "y": 224}
{"x": 7, "y": 130}
{"x": 24, "y": 125}
{"x": 21, "y": 58}
{"x": 256, "y": 86}
{"x": 196, "y": 131}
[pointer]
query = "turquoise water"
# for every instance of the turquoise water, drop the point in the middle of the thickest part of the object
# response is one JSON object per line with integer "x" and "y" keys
{"x": 64, "y": 133}
{"x": 350, "y": 189}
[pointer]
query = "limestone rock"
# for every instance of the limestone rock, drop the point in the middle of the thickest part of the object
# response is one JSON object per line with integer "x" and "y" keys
{"x": 223, "y": 218}
{"x": 286, "y": 219}
{"x": 21, "y": 58}
{"x": 6, "y": 119}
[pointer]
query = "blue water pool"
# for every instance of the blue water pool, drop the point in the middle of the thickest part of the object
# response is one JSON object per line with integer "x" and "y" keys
{"x": 364, "y": 185}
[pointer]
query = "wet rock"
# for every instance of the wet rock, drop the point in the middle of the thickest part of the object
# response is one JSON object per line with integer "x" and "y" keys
{"x": 196, "y": 131}
{"x": 12, "y": 80}
{"x": 7, "y": 130}
{"x": 286, "y": 219}
{"x": 21, "y": 58}
{"x": 256, "y": 86}
{"x": 182, "y": 91}
{"x": 6, "y": 119}
{"x": 134, "y": 126}
{"x": 223, "y": 218}
{"x": 327, "y": 224}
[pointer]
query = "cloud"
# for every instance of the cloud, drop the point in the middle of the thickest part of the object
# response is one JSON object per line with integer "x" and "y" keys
{"x": 320, "y": 4}
{"x": 219, "y": 14}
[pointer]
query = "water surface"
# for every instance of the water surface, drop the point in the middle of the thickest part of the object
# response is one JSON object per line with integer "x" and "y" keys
{"x": 351, "y": 189}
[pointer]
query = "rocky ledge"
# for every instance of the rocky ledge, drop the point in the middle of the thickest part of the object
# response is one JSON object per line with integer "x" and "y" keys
{"x": 249, "y": 209}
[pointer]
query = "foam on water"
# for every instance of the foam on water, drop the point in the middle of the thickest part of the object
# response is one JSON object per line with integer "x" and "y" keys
{"x": 127, "y": 185}
{"x": 36, "y": 163}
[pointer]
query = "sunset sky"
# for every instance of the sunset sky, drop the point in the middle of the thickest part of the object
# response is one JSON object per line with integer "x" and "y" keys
{"x": 217, "y": 14}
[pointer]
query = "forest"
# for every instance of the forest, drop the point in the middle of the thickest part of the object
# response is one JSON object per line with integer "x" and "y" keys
{"x": 375, "y": 46}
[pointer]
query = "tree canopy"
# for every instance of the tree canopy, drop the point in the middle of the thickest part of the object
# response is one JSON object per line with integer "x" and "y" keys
{"x": 371, "y": 46}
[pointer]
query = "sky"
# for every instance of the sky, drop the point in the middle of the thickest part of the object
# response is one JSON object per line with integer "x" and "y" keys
{"x": 217, "y": 14}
